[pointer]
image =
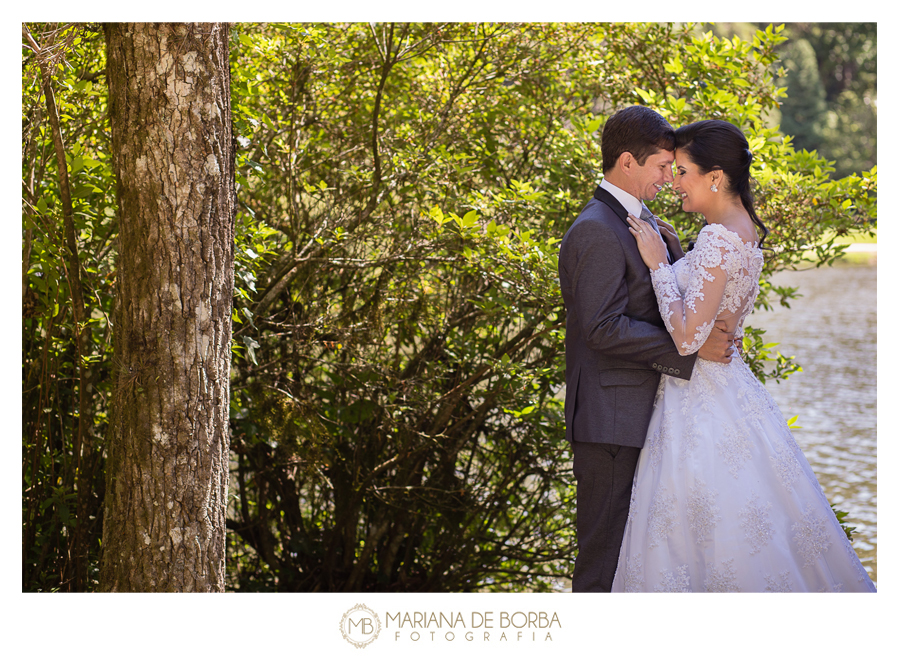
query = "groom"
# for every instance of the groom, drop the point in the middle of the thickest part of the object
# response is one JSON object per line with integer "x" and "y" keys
{"x": 616, "y": 343}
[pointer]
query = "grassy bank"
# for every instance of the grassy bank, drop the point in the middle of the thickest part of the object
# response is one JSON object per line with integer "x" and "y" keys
{"x": 861, "y": 249}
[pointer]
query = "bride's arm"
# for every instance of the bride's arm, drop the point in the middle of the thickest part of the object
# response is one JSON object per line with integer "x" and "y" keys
{"x": 690, "y": 319}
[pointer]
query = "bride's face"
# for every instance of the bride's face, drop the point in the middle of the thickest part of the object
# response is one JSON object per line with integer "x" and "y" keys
{"x": 690, "y": 184}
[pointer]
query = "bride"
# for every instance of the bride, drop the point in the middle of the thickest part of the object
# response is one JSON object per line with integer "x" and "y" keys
{"x": 723, "y": 499}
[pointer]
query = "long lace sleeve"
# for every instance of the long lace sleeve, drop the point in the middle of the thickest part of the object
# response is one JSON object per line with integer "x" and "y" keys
{"x": 690, "y": 318}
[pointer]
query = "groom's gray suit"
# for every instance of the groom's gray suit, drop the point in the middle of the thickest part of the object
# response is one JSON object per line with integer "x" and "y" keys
{"x": 616, "y": 348}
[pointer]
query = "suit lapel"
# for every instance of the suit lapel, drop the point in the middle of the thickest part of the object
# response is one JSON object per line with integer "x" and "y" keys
{"x": 605, "y": 197}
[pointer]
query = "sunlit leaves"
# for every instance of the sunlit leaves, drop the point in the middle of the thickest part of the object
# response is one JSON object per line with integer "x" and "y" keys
{"x": 50, "y": 358}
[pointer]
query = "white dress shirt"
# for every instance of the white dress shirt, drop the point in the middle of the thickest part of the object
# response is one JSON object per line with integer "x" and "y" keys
{"x": 630, "y": 203}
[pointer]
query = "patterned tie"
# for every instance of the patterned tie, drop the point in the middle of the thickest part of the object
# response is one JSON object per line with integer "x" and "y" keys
{"x": 649, "y": 217}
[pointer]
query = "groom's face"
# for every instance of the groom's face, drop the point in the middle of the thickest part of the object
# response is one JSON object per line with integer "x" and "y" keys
{"x": 656, "y": 172}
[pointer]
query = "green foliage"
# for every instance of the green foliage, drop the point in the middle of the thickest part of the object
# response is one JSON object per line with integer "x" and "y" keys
{"x": 402, "y": 432}
{"x": 803, "y": 110}
{"x": 848, "y": 529}
{"x": 53, "y": 458}
{"x": 397, "y": 420}
{"x": 839, "y": 93}
{"x": 758, "y": 354}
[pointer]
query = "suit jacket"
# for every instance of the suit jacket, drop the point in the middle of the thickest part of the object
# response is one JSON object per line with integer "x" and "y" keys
{"x": 617, "y": 345}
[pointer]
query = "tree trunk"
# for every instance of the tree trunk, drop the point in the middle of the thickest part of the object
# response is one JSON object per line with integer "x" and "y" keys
{"x": 167, "y": 449}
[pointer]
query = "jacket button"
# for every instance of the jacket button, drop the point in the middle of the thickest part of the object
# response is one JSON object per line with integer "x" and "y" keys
{"x": 655, "y": 367}
{"x": 677, "y": 371}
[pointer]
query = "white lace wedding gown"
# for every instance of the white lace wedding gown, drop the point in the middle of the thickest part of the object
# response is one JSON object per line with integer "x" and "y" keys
{"x": 723, "y": 499}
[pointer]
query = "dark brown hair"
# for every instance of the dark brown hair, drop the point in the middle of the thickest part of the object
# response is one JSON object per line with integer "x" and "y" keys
{"x": 637, "y": 130}
{"x": 714, "y": 144}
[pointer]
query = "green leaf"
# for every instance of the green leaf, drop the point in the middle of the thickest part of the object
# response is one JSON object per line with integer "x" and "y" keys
{"x": 437, "y": 215}
{"x": 251, "y": 345}
{"x": 674, "y": 66}
{"x": 249, "y": 315}
{"x": 646, "y": 96}
{"x": 82, "y": 191}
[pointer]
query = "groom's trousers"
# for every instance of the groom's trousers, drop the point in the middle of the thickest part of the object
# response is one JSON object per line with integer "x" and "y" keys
{"x": 604, "y": 474}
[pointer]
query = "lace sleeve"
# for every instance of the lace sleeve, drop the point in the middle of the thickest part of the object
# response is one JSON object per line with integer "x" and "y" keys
{"x": 691, "y": 318}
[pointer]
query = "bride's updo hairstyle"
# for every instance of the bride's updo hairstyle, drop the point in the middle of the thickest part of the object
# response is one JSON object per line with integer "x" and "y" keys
{"x": 714, "y": 144}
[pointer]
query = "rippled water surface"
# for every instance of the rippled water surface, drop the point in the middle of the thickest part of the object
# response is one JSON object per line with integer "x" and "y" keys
{"x": 832, "y": 332}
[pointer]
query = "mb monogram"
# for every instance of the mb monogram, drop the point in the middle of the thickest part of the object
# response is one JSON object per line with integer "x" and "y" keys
{"x": 360, "y": 626}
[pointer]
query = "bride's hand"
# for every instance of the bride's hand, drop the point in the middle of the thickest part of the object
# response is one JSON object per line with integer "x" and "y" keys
{"x": 650, "y": 244}
{"x": 670, "y": 235}
{"x": 666, "y": 229}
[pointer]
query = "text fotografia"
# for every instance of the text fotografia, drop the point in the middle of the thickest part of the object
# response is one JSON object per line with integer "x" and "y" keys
{"x": 479, "y": 626}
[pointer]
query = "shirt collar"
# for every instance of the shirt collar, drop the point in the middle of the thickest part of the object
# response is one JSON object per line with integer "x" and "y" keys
{"x": 630, "y": 203}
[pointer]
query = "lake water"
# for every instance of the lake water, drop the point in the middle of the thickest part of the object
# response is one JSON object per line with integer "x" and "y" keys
{"x": 831, "y": 331}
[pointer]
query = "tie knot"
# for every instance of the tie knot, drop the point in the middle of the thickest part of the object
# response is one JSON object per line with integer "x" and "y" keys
{"x": 645, "y": 212}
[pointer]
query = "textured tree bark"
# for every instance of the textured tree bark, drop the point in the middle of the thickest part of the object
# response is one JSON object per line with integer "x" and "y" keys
{"x": 167, "y": 447}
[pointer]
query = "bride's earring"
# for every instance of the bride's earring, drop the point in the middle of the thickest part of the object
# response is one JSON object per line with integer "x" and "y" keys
{"x": 714, "y": 188}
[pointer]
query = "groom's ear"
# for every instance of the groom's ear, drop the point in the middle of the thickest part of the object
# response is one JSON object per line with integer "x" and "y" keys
{"x": 626, "y": 161}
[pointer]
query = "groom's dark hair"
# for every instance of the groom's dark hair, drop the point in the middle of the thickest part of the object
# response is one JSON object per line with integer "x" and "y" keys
{"x": 637, "y": 130}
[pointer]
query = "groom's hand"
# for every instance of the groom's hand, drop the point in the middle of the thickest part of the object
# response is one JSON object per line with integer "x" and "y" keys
{"x": 719, "y": 346}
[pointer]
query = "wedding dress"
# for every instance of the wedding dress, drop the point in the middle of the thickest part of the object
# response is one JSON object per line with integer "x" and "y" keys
{"x": 723, "y": 499}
